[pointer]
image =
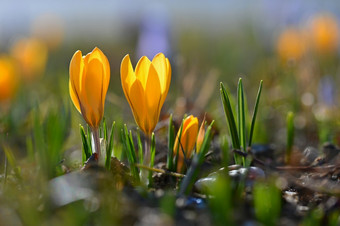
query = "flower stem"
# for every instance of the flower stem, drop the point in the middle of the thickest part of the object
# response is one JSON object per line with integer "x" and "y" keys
{"x": 146, "y": 160}
{"x": 95, "y": 143}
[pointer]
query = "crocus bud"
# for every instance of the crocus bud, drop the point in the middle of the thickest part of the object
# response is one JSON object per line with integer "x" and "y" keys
{"x": 88, "y": 84}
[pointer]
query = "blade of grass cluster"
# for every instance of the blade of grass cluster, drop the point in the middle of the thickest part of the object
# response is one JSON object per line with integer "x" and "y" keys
{"x": 192, "y": 174}
{"x": 256, "y": 106}
{"x": 140, "y": 148}
{"x": 152, "y": 157}
{"x": 109, "y": 147}
{"x": 129, "y": 152}
{"x": 231, "y": 122}
{"x": 241, "y": 116}
{"x": 86, "y": 148}
{"x": 171, "y": 142}
{"x": 290, "y": 135}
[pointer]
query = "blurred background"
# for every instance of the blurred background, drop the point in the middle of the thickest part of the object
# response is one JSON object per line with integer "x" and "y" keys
{"x": 292, "y": 45}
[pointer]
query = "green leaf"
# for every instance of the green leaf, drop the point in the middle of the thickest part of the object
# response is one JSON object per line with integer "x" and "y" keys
{"x": 130, "y": 153}
{"x": 171, "y": 142}
{"x": 267, "y": 202}
{"x": 109, "y": 147}
{"x": 105, "y": 129}
{"x": 231, "y": 122}
{"x": 256, "y": 106}
{"x": 86, "y": 148}
{"x": 89, "y": 138}
{"x": 177, "y": 150}
{"x": 241, "y": 116}
{"x": 152, "y": 157}
{"x": 12, "y": 162}
{"x": 140, "y": 148}
{"x": 290, "y": 135}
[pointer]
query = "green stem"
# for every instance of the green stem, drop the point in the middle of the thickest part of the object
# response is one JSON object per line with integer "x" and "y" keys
{"x": 145, "y": 173}
{"x": 95, "y": 143}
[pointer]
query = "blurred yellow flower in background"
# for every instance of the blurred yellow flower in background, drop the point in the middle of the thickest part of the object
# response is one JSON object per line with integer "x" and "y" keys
{"x": 188, "y": 140}
{"x": 31, "y": 56}
{"x": 291, "y": 44}
{"x": 88, "y": 84}
{"x": 146, "y": 88}
{"x": 8, "y": 79}
{"x": 324, "y": 33}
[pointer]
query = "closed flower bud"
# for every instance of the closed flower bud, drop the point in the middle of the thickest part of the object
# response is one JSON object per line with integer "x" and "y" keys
{"x": 145, "y": 88}
{"x": 88, "y": 84}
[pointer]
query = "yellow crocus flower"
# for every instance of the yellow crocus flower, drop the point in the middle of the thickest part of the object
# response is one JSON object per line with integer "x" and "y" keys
{"x": 200, "y": 136}
{"x": 188, "y": 140}
{"x": 88, "y": 84}
{"x": 291, "y": 45}
{"x": 146, "y": 88}
{"x": 31, "y": 56}
{"x": 324, "y": 33}
{"x": 8, "y": 79}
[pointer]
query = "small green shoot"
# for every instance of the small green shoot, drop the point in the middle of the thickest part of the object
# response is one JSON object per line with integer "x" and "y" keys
{"x": 177, "y": 151}
{"x": 220, "y": 201}
{"x": 256, "y": 107}
{"x": 267, "y": 202}
{"x": 109, "y": 146}
{"x": 87, "y": 152}
{"x": 140, "y": 148}
{"x": 238, "y": 135}
{"x": 130, "y": 152}
{"x": 12, "y": 162}
{"x": 290, "y": 135}
{"x": 241, "y": 116}
{"x": 171, "y": 142}
{"x": 152, "y": 157}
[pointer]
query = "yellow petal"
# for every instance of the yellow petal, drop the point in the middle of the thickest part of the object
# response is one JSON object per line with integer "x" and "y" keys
{"x": 142, "y": 70}
{"x": 91, "y": 95}
{"x": 159, "y": 62}
{"x": 76, "y": 74}
{"x": 74, "y": 96}
{"x": 153, "y": 98}
{"x": 138, "y": 105}
{"x": 99, "y": 55}
{"x": 127, "y": 76}
{"x": 190, "y": 130}
{"x": 200, "y": 136}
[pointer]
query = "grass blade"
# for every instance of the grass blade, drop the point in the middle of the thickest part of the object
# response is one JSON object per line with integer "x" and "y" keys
{"x": 12, "y": 162}
{"x": 105, "y": 129}
{"x": 290, "y": 135}
{"x": 241, "y": 116}
{"x": 256, "y": 106}
{"x": 231, "y": 122}
{"x": 152, "y": 157}
{"x": 177, "y": 150}
{"x": 86, "y": 148}
{"x": 109, "y": 147}
{"x": 129, "y": 153}
{"x": 140, "y": 148}
{"x": 89, "y": 138}
{"x": 171, "y": 141}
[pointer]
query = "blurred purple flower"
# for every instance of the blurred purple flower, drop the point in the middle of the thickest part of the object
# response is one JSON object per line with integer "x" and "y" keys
{"x": 154, "y": 32}
{"x": 326, "y": 90}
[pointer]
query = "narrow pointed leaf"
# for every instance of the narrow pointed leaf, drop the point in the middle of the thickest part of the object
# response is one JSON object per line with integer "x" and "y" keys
{"x": 256, "y": 106}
